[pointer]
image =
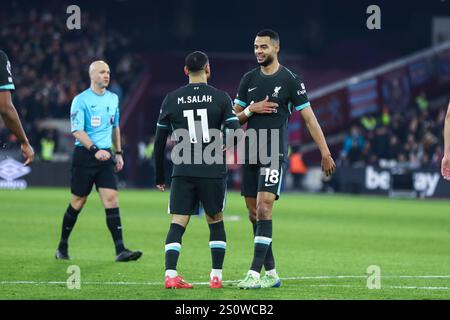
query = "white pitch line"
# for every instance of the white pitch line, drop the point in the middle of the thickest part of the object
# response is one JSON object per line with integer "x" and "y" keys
{"x": 126, "y": 283}
{"x": 205, "y": 283}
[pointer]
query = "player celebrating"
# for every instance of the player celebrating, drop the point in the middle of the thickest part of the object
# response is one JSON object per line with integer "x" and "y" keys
{"x": 194, "y": 182}
{"x": 445, "y": 165}
{"x": 8, "y": 111}
{"x": 262, "y": 182}
{"x": 94, "y": 119}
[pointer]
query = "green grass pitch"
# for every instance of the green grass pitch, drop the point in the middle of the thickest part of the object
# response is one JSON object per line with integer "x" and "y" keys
{"x": 323, "y": 245}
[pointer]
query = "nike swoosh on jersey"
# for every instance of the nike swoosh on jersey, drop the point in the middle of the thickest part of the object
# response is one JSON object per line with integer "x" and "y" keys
{"x": 250, "y": 90}
{"x": 269, "y": 185}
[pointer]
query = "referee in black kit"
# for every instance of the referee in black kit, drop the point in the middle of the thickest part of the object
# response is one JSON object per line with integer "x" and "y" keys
{"x": 94, "y": 117}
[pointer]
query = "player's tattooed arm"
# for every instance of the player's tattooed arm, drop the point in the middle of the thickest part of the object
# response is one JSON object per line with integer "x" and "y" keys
{"x": 328, "y": 165}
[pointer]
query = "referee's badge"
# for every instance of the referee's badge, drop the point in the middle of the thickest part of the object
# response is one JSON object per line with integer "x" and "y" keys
{"x": 96, "y": 121}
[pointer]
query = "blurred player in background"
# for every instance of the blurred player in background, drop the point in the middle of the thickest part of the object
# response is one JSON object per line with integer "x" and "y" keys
{"x": 8, "y": 111}
{"x": 194, "y": 183}
{"x": 445, "y": 165}
{"x": 94, "y": 117}
{"x": 262, "y": 183}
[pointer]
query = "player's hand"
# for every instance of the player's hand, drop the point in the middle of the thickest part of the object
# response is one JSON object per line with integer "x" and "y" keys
{"x": 445, "y": 167}
{"x": 263, "y": 106}
{"x": 328, "y": 165}
{"x": 102, "y": 155}
{"x": 161, "y": 187}
{"x": 28, "y": 153}
{"x": 119, "y": 163}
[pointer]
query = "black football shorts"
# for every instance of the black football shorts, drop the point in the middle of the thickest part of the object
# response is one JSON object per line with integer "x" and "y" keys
{"x": 259, "y": 178}
{"x": 186, "y": 193}
{"x": 87, "y": 171}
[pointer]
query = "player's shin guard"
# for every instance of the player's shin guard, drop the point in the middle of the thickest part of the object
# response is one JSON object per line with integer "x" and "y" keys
{"x": 263, "y": 239}
{"x": 218, "y": 245}
{"x": 115, "y": 227}
{"x": 70, "y": 217}
{"x": 173, "y": 247}
{"x": 269, "y": 261}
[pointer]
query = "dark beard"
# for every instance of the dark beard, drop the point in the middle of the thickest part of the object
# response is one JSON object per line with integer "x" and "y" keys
{"x": 267, "y": 62}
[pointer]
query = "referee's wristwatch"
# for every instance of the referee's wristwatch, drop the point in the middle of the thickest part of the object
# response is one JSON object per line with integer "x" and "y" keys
{"x": 119, "y": 152}
{"x": 94, "y": 149}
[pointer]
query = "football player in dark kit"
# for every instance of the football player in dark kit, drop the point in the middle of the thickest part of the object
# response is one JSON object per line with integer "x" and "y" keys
{"x": 8, "y": 111}
{"x": 197, "y": 110}
{"x": 261, "y": 183}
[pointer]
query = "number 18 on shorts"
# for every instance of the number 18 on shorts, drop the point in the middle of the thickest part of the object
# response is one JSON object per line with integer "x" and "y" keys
{"x": 270, "y": 180}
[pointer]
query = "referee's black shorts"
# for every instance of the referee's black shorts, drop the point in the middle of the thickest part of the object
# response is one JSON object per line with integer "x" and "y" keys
{"x": 87, "y": 171}
{"x": 187, "y": 192}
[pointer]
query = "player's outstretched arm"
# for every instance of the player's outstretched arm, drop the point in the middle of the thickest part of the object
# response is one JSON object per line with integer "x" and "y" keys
{"x": 328, "y": 165}
{"x": 445, "y": 165}
{"x": 12, "y": 121}
{"x": 263, "y": 106}
{"x": 160, "y": 146}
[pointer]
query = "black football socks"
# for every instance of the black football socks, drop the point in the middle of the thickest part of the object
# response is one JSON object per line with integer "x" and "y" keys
{"x": 269, "y": 261}
{"x": 173, "y": 247}
{"x": 263, "y": 239}
{"x": 217, "y": 244}
{"x": 70, "y": 217}
{"x": 115, "y": 227}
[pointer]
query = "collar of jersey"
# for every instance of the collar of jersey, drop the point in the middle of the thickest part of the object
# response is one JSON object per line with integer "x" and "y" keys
{"x": 270, "y": 75}
{"x": 98, "y": 95}
{"x": 197, "y": 83}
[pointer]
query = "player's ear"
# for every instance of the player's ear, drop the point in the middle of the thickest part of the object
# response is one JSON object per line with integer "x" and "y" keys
{"x": 208, "y": 70}
{"x": 186, "y": 71}
{"x": 277, "y": 47}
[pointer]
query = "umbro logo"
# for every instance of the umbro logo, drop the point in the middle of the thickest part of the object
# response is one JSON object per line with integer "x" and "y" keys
{"x": 11, "y": 169}
{"x": 251, "y": 89}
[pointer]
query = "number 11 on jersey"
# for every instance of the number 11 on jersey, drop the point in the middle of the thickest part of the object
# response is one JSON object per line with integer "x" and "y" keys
{"x": 189, "y": 114}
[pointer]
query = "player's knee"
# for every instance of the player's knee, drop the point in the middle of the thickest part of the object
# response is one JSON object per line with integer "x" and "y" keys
{"x": 251, "y": 212}
{"x": 182, "y": 220}
{"x": 252, "y": 215}
{"x": 214, "y": 218}
{"x": 78, "y": 202}
{"x": 112, "y": 203}
{"x": 264, "y": 211}
{"x": 111, "y": 200}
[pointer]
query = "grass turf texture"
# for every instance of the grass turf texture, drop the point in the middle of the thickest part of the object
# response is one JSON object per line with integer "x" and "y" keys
{"x": 314, "y": 236}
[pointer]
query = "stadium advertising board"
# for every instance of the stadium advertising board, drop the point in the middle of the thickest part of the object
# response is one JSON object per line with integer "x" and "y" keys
{"x": 10, "y": 173}
{"x": 372, "y": 180}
